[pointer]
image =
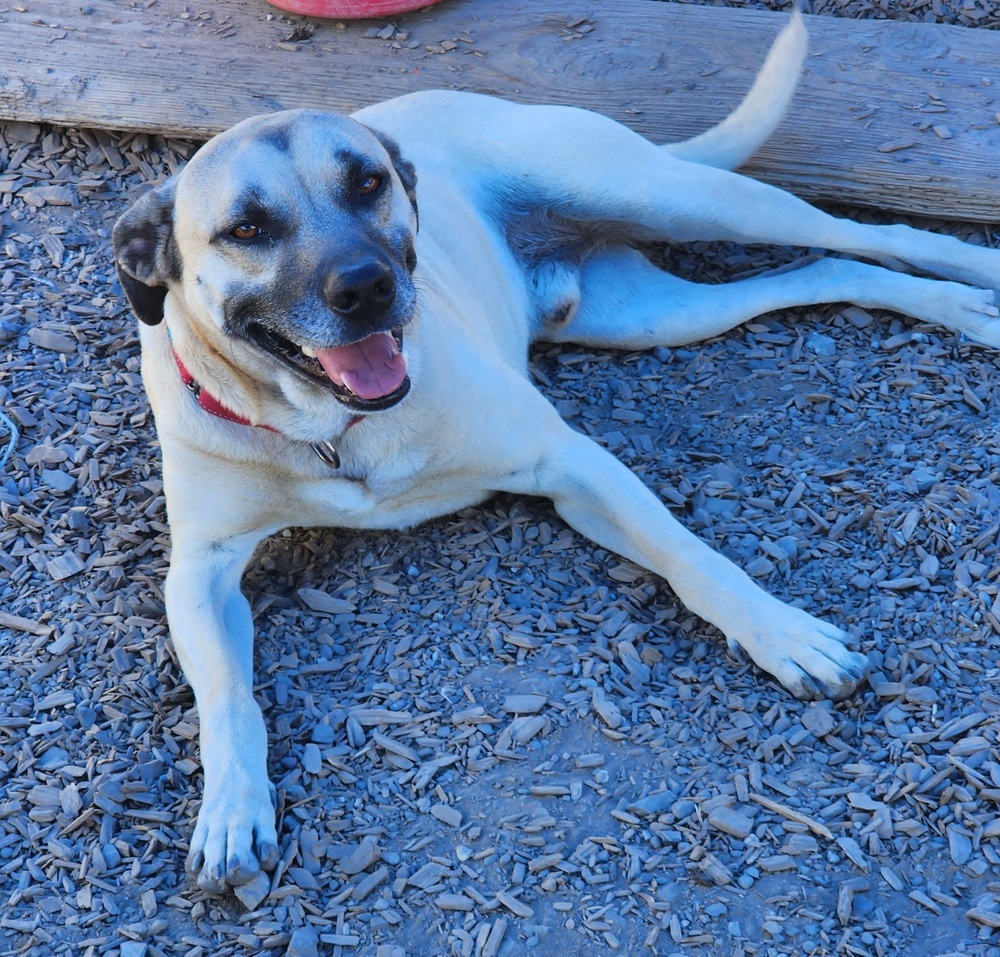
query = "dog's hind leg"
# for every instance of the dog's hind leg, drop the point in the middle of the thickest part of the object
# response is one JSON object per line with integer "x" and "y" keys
{"x": 622, "y": 185}
{"x": 627, "y": 302}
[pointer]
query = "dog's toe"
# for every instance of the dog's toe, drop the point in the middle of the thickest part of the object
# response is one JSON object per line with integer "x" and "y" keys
{"x": 827, "y": 681}
{"x": 840, "y": 680}
{"x": 269, "y": 853}
{"x": 240, "y": 870}
{"x": 211, "y": 879}
{"x": 803, "y": 687}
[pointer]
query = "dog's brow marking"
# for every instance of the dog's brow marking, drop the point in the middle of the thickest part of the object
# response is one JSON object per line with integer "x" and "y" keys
{"x": 355, "y": 162}
{"x": 249, "y": 210}
{"x": 277, "y": 138}
{"x": 250, "y": 206}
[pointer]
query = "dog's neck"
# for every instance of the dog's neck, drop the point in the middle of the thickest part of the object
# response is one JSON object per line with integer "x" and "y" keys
{"x": 325, "y": 450}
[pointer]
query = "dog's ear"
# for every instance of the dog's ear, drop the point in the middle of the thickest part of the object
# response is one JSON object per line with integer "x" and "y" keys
{"x": 146, "y": 254}
{"x": 404, "y": 168}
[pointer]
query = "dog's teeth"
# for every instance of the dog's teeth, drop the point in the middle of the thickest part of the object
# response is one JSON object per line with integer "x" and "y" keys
{"x": 309, "y": 351}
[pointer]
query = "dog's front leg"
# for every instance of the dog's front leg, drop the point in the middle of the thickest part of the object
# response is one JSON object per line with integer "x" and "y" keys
{"x": 212, "y": 631}
{"x": 605, "y": 501}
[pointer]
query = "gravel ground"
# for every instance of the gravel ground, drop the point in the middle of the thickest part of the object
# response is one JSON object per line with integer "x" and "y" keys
{"x": 488, "y": 736}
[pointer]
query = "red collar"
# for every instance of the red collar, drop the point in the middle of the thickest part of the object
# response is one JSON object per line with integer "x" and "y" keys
{"x": 207, "y": 401}
{"x": 326, "y": 450}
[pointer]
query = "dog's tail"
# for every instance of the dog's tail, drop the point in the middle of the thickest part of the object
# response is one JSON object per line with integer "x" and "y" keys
{"x": 750, "y": 125}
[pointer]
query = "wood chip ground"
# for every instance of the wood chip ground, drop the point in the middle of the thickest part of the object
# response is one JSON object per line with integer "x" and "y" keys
{"x": 488, "y": 736}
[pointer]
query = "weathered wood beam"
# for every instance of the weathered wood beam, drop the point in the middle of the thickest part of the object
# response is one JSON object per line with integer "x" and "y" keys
{"x": 897, "y": 115}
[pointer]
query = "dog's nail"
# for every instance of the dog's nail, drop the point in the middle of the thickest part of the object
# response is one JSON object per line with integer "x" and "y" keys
{"x": 269, "y": 855}
{"x": 808, "y": 690}
{"x": 211, "y": 882}
{"x": 241, "y": 872}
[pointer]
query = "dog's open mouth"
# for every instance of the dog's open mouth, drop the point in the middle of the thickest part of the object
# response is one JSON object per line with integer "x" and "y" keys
{"x": 366, "y": 375}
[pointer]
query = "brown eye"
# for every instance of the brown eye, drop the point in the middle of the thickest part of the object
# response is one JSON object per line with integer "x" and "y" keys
{"x": 246, "y": 231}
{"x": 370, "y": 185}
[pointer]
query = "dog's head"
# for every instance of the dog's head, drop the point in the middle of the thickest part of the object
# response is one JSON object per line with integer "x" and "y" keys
{"x": 291, "y": 236}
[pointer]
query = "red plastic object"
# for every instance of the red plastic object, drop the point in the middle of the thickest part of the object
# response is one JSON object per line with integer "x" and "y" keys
{"x": 351, "y": 9}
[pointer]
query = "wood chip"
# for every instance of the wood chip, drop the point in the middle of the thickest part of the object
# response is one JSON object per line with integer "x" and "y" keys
{"x": 774, "y": 863}
{"x": 713, "y": 871}
{"x": 988, "y": 918}
{"x": 454, "y": 902}
{"x": 447, "y": 814}
{"x": 366, "y": 854}
{"x": 64, "y": 566}
{"x": 959, "y": 845}
{"x": 731, "y": 822}
{"x": 17, "y": 623}
{"x": 378, "y": 716}
{"x": 924, "y": 901}
{"x": 253, "y": 893}
{"x": 524, "y": 703}
{"x": 369, "y": 883}
{"x": 845, "y": 898}
{"x": 320, "y": 601}
{"x": 815, "y": 826}
{"x": 515, "y": 906}
{"x": 53, "y": 341}
{"x": 428, "y": 876}
{"x": 606, "y": 710}
{"x": 491, "y": 945}
{"x": 853, "y": 851}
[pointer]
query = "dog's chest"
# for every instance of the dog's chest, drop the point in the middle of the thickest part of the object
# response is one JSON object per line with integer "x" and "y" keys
{"x": 397, "y": 495}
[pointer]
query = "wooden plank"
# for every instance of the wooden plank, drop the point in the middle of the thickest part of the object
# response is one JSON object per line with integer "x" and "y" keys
{"x": 897, "y": 115}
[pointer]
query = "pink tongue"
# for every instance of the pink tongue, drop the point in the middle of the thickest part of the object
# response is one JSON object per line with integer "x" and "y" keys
{"x": 371, "y": 368}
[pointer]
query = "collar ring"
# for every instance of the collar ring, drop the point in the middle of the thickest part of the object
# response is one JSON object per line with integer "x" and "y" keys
{"x": 327, "y": 453}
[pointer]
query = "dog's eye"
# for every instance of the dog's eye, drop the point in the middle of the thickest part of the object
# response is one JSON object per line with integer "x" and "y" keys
{"x": 246, "y": 231}
{"x": 370, "y": 185}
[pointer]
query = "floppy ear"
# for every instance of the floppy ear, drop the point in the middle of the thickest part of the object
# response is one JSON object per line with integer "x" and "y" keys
{"x": 404, "y": 168}
{"x": 146, "y": 254}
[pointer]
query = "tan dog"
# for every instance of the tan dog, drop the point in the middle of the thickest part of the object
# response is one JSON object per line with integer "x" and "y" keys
{"x": 328, "y": 363}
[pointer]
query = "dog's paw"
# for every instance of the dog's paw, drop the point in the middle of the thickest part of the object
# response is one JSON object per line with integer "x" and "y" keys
{"x": 808, "y": 656}
{"x": 975, "y": 314}
{"x": 234, "y": 838}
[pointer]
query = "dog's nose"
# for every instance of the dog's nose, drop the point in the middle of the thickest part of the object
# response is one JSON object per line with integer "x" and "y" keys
{"x": 362, "y": 290}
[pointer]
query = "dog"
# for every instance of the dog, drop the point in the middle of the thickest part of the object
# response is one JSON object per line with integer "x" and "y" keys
{"x": 335, "y": 321}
